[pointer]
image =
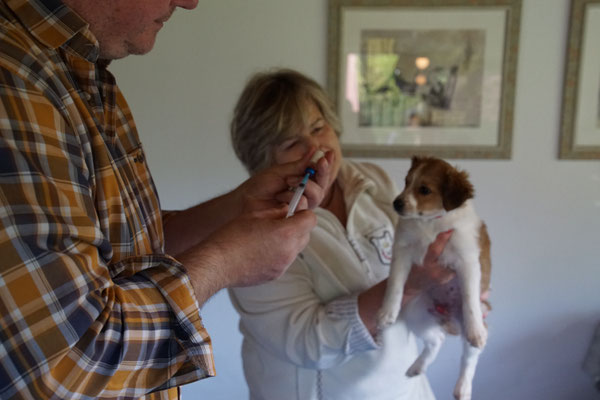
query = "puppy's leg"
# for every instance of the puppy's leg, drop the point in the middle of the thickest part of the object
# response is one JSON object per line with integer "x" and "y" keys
{"x": 469, "y": 275}
{"x": 425, "y": 326}
{"x": 464, "y": 385}
{"x": 433, "y": 341}
{"x": 392, "y": 301}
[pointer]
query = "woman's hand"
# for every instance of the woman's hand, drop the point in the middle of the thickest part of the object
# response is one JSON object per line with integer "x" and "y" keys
{"x": 315, "y": 188}
{"x": 431, "y": 272}
{"x": 420, "y": 278}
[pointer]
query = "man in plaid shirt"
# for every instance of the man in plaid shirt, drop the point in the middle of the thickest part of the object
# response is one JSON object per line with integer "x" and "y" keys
{"x": 91, "y": 304}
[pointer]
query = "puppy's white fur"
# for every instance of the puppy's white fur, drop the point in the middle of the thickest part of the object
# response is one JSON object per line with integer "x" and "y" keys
{"x": 424, "y": 213}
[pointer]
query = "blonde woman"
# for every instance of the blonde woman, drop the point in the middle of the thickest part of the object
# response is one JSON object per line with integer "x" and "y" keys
{"x": 310, "y": 334}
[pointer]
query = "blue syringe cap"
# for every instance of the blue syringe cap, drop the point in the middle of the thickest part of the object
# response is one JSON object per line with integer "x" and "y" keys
{"x": 316, "y": 157}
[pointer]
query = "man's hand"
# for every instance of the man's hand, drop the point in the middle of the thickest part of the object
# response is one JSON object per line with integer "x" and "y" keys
{"x": 258, "y": 247}
{"x": 257, "y": 243}
{"x": 251, "y": 249}
{"x": 266, "y": 190}
{"x": 270, "y": 188}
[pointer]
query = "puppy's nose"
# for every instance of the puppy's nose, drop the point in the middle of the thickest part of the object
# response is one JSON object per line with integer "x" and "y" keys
{"x": 398, "y": 205}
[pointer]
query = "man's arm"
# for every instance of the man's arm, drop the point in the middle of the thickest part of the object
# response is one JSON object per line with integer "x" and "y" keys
{"x": 267, "y": 189}
{"x": 185, "y": 228}
{"x": 258, "y": 243}
{"x": 76, "y": 320}
{"x": 252, "y": 249}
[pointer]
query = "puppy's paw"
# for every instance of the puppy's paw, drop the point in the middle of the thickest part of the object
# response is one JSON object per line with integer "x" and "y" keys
{"x": 476, "y": 335}
{"x": 415, "y": 369}
{"x": 463, "y": 389}
{"x": 387, "y": 317}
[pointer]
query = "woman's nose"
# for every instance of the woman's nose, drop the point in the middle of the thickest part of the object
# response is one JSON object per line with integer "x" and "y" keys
{"x": 187, "y": 4}
{"x": 311, "y": 141}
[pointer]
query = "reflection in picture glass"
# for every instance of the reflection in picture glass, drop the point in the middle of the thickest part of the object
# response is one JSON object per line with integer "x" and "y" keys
{"x": 421, "y": 78}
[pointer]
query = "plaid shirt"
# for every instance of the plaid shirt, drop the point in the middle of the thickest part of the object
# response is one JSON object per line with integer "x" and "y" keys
{"x": 90, "y": 306}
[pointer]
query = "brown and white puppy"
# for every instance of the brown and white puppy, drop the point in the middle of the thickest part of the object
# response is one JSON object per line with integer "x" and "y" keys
{"x": 437, "y": 198}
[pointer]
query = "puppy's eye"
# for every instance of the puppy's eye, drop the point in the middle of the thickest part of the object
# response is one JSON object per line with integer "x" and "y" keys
{"x": 424, "y": 190}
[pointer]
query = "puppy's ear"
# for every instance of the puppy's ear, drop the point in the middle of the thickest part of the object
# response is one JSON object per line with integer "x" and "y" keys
{"x": 416, "y": 160}
{"x": 456, "y": 189}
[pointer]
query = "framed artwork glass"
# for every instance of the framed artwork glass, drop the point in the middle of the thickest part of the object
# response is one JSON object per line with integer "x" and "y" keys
{"x": 580, "y": 125}
{"x": 424, "y": 76}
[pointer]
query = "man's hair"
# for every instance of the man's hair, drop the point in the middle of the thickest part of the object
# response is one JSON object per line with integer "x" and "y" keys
{"x": 272, "y": 108}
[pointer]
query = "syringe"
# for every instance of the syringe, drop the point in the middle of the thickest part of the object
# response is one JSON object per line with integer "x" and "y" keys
{"x": 308, "y": 172}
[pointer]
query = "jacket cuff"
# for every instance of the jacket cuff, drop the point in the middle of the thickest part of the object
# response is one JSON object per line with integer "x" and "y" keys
{"x": 359, "y": 338}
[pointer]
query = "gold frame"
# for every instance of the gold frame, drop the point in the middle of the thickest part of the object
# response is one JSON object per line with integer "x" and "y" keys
{"x": 572, "y": 82}
{"x": 502, "y": 149}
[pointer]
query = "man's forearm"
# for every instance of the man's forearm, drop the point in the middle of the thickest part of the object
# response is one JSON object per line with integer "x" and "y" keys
{"x": 204, "y": 265}
{"x": 186, "y": 228}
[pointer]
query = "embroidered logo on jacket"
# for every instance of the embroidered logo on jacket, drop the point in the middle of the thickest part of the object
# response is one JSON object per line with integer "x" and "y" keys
{"x": 383, "y": 244}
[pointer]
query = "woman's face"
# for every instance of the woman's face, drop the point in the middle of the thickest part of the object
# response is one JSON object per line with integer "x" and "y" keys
{"x": 317, "y": 134}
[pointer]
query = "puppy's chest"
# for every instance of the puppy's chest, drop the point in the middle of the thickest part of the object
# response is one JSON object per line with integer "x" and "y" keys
{"x": 415, "y": 237}
{"x": 416, "y": 240}
{"x": 450, "y": 257}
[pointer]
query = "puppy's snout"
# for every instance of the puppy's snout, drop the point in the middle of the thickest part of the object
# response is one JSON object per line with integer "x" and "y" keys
{"x": 399, "y": 205}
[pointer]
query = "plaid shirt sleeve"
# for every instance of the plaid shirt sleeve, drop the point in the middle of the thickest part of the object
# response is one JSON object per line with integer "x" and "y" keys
{"x": 90, "y": 306}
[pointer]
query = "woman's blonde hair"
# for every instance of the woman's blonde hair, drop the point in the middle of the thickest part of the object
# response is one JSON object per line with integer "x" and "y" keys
{"x": 272, "y": 108}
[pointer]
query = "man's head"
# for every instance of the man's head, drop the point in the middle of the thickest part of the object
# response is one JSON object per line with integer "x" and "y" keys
{"x": 125, "y": 27}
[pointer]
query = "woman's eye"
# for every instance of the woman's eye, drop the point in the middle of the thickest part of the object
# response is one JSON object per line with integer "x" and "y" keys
{"x": 424, "y": 190}
{"x": 288, "y": 144}
{"x": 317, "y": 129}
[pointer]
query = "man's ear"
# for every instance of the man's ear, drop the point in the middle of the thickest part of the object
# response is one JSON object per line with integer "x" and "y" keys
{"x": 456, "y": 189}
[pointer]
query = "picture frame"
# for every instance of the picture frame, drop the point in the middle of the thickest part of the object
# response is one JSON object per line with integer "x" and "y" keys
{"x": 580, "y": 122}
{"x": 424, "y": 77}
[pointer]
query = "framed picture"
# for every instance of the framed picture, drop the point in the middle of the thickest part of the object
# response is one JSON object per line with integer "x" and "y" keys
{"x": 432, "y": 77}
{"x": 580, "y": 125}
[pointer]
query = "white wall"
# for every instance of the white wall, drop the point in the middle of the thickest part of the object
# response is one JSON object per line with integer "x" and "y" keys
{"x": 543, "y": 214}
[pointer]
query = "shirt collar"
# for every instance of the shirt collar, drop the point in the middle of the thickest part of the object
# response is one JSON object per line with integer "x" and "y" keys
{"x": 55, "y": 25}
{"x": 353, "y": 181}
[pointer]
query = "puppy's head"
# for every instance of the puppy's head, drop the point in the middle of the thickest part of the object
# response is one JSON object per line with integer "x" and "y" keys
{"x": 432, "y": 188}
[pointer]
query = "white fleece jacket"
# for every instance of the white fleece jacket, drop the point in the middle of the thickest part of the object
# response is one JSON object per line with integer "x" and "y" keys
{"x": 303, "y": 337}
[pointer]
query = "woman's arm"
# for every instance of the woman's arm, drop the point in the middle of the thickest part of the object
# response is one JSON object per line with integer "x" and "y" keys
{"x": 288, "y": 319}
